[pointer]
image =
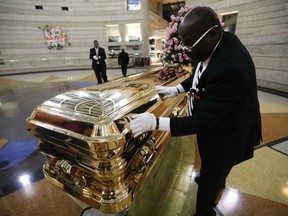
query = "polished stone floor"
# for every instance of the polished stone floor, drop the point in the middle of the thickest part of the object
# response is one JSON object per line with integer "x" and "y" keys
{"x": 256, "y": 187}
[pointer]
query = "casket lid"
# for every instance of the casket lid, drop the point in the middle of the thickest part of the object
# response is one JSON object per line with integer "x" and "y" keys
{"x": 96, "y": 109}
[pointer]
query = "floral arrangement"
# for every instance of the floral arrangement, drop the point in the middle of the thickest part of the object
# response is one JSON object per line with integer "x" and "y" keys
{"x": 168, "y": 74}
{"x": 55, "y": 36}
{"x": 172, "y": 51}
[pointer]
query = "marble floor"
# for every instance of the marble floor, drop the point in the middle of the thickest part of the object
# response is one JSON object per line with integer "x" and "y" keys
{"x": 254, "y": 188}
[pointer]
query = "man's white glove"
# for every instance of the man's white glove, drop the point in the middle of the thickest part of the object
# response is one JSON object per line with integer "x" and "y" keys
{"x": 142, "y": 123}
{"x": 95, "y": 57}
{"x": 167, "y": 92}
{"x": 99, "y": 57}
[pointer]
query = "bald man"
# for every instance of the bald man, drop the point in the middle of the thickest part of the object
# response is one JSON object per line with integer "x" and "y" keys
{"x": 225, "y": 114}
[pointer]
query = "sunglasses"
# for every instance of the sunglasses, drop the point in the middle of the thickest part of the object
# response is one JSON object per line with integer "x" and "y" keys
{"x": 189, "y": 48}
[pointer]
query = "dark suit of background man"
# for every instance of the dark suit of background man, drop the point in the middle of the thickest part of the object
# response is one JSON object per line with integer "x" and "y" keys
{"x": 98, "y": 56}
{"x": 123, "y": 60}
{"x": 225, "y": 116}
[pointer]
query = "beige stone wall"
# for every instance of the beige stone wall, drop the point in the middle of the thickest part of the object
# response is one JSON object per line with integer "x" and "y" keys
{"x": 156, "y": 22}
{"x": 263, "y": 28}
{"x": 21, "y": 39}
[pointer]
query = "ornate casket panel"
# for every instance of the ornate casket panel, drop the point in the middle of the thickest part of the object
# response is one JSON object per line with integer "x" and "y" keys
{"x": 90, "y": 152}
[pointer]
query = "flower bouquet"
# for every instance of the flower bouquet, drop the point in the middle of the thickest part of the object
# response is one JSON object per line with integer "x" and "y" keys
{"x": 168, "y": 74}
{"x": 173, "y": 54}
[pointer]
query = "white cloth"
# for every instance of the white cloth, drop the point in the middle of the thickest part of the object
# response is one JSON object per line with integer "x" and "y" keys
{"x": 180, "y": 88}
{"x": 196, "y": 78}
{"x": 142, "y": 123}
{"x": 97, "y": 57}
{"x": 167, "y": 92}
{"x": 164, "y": 124}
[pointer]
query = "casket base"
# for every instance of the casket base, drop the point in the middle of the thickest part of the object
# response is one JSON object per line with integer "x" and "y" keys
{"x": 109, "y": 207}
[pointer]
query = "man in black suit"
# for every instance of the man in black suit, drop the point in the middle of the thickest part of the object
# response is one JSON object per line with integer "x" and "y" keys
{"x": 123, "y": 60}
{"x": 225, "y": 115}
{"x": 98, "y": 56}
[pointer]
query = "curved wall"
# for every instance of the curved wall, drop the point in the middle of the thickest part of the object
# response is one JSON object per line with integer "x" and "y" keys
{"x": 22, "y": 41}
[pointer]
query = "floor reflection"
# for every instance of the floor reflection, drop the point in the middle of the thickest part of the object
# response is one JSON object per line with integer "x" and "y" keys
{"x": 17, "y": 101}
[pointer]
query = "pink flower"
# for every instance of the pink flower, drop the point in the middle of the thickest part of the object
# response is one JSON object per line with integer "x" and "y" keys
{"x": 172, "y": 17}
{"x": 175, "y": 29}
{"x": 176, "y": 40}
{"x": 172, "y": 51}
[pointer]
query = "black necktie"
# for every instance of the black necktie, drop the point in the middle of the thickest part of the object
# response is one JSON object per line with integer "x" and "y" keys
{"x": 197, "y": 77}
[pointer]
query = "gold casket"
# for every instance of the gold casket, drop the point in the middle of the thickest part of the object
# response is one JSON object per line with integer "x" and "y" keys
{"x": 90, "y": 153}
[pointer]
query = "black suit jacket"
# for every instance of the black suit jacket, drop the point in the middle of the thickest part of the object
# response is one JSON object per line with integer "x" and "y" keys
{"x": 227, "y": 118}
{"x": 123, "y": 58}
{"x": 101, "y": 53}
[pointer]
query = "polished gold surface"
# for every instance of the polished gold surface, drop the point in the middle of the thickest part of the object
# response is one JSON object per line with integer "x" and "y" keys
{"x": 90, "y": 152}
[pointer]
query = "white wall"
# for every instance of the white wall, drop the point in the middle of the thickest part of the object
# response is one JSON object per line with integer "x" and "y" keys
{"x": 86, "y": 20}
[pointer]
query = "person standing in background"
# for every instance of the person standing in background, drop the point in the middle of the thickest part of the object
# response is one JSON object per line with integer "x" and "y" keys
{"x": 123, "y": 60}
{"x": 98, "y": 56}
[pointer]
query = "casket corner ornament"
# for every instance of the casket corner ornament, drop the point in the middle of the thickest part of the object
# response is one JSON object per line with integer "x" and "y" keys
{"x": 90, "y": 153}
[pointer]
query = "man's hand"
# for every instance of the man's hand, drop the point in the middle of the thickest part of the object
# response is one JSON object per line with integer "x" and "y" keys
{"x": 95, "y": 57}
{"x": 167, "y": 92}
{"x": 142, "y": 123}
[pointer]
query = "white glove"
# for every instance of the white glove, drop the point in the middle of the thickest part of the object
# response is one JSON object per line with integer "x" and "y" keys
{"x": 95, "y": 57}
{"x": 99, "y": 57}
{"x": 167, "y": 92}
{"x": 142, "y": 123}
